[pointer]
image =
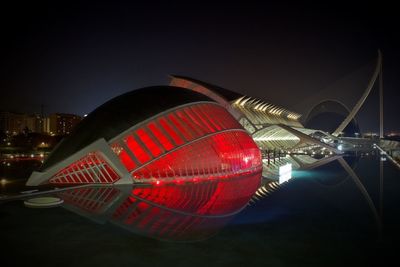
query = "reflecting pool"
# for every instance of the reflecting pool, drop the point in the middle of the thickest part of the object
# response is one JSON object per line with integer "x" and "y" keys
{"x": 344, "y": 213}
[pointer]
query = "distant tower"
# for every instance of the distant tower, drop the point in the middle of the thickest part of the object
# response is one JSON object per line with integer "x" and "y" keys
{"x": 42, "y": 120}
{"x": 42, "y": 110}
{"x": 381, "y": 100}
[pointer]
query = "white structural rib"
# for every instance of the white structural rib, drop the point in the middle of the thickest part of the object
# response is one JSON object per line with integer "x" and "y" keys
{"x": 100, "y": 146}
{"x": 364, "y": 192}
{"x": 361, "y": 101}
{"x": 308, "y": 139}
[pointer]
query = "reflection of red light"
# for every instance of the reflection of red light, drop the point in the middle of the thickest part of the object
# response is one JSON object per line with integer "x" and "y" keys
{"x": 93, "y": 200}
{"x": 203, "y": 197}
{"x": 168, "y": 211}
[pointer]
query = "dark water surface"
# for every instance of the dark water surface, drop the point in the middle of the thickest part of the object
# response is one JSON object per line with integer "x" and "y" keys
{"x": 320, "y": 218}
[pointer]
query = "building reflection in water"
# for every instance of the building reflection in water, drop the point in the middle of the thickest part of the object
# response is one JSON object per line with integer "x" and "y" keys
{"x": 337, "y": 172}
{"x": 170, "y": 211}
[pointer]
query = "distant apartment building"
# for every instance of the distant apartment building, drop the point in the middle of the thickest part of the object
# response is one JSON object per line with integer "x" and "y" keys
{"x": 60, "y": 123}
{"x": 15, "y": 123}
{"x": 55, "y": 124}
{"x": 370, "y": 135}
{"x": 34, "y": 123}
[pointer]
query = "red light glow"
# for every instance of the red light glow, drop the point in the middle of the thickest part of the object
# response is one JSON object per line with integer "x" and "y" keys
{"x": 90, "y": 169}
{"x": 187, "y": 145}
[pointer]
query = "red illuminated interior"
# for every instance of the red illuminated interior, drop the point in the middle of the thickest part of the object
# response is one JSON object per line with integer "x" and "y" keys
{"x": 223, "y": 155}
{"x": 90, "y": 169}
{"x": 193, "y": 143}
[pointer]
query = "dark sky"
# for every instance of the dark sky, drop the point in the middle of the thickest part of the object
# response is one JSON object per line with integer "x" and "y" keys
{"x": 73, "y": 57}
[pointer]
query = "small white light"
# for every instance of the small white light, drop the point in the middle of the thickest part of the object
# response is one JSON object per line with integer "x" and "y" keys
{"x": 285, "y": 173}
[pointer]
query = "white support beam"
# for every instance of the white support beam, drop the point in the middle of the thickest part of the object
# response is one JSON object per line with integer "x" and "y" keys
{"x": 361, "y": 101}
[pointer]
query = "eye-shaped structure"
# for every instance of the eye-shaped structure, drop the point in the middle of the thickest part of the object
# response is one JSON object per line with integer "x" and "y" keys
{"x": 155, "y": 134}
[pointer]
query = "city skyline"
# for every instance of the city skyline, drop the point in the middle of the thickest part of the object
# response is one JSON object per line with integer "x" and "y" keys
{"x": 12, "y": 123}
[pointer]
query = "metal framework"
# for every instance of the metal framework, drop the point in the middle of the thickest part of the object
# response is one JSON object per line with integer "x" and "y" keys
{"x": 270, "y": 126}
{"x": 262, "y": 113}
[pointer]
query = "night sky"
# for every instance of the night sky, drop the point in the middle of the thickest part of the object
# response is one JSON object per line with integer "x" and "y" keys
{"x": 73, "y": 57}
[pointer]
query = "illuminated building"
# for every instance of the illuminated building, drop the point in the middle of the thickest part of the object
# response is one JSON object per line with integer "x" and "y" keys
{"x": 15, "y": 123}
{"x": 187, "y": 131}
{"x": 34, "y": 123}
{"x": 60, "y": 123}
{"x": 271, "y": 127}
{"x": 156, "y": 134}
{"x": 11, "y": 122}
